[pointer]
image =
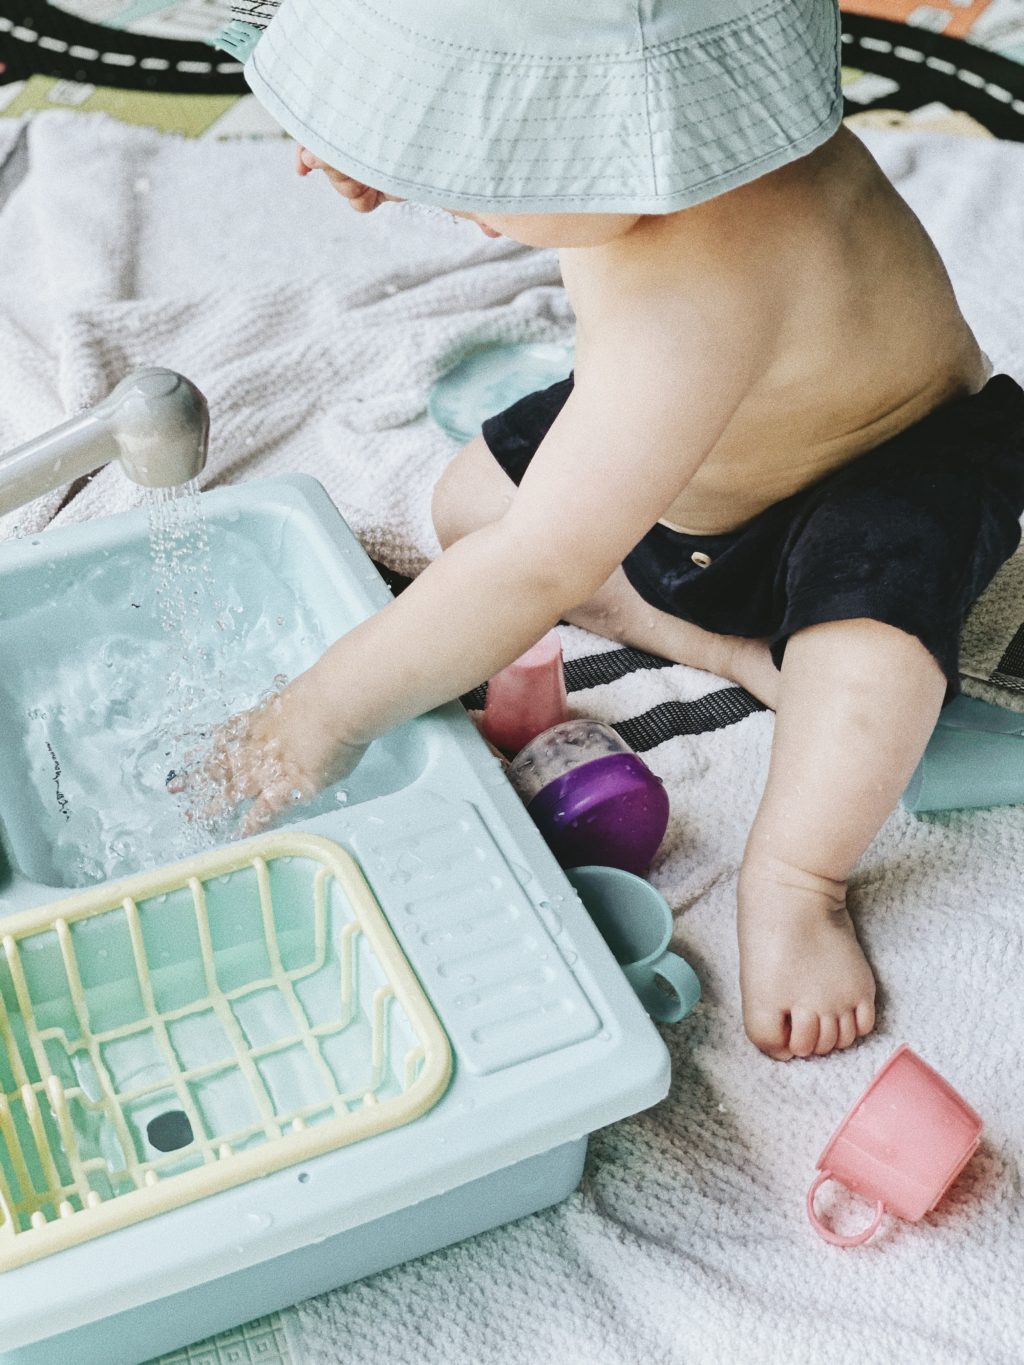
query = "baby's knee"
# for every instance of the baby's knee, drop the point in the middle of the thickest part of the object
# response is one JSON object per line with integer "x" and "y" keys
{"x": 447, "y": 504}
{"x": 471, "y": 492}
{"x": 857, "y": 661}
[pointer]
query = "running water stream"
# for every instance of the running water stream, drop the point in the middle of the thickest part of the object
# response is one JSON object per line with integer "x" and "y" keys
{"x": 199, "y": 632}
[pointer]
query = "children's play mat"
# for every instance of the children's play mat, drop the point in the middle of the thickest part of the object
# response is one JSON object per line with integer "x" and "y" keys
{"x": 950, "y": 67}
{"x": 947, "y": 63}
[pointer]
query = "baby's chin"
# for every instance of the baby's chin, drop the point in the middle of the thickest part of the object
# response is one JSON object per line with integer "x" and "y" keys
{"x": 560, "y": 229}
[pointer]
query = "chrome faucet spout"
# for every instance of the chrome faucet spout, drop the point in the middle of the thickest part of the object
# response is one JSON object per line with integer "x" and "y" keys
{"x": 156, "y": 422}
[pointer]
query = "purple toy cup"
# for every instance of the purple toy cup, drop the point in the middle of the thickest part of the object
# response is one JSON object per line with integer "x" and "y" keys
{"x": 591, "y": 797}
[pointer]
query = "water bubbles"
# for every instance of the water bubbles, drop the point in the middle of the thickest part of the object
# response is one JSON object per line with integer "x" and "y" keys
{"x": 341, "y": 797}
{"x": 141, "y": 695}
{"x": 295, "y": 795}
{"x": 88, "y": 871}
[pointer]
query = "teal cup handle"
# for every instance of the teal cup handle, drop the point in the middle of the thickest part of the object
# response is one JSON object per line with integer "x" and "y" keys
{"x": 636, "y": 923}
{"x": 677, "y": 993}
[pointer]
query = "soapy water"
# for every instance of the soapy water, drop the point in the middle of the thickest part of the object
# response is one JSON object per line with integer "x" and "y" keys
{"x": 121, "y": 708}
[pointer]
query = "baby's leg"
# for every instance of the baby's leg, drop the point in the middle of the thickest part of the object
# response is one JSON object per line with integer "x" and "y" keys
{"x": 857, "y": 704}
{"x": 474, "y": 491}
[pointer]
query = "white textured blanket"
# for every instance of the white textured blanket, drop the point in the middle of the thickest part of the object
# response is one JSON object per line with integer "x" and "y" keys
{"x": 317, "y": 334}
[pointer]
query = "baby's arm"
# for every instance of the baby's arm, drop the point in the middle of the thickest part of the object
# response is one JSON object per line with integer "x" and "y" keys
{"x": 622, "y": 448}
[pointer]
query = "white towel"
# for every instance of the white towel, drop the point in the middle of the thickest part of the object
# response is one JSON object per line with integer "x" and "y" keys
{"x": 687, "y": 1243}
{"x": 315, "y": 332}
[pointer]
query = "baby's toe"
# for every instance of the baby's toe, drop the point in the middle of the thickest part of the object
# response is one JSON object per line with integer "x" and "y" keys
{"x": 769, "y": 1031}
{"x": 828, "y": 1034}
{"x": 865, "y": 1013}
{"x": 847, "y": 1029}
{"x": 803, "y": 1032}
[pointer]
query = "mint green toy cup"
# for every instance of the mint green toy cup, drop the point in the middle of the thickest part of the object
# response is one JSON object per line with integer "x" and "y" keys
{"x": 975, "y": 758}
{"x": 635, "y": 921}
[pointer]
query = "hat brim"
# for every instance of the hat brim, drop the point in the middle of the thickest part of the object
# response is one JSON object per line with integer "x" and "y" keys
{"x": 649, "y": 127}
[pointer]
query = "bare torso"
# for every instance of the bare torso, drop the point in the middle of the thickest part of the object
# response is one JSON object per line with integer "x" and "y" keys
{"x": 866, "y": 334}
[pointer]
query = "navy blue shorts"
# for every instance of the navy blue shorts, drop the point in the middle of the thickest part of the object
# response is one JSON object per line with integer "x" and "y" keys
{"x": 909, "y": 533}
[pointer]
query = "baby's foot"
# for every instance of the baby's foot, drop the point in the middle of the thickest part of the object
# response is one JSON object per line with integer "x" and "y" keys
{"x": 806, "y": 985}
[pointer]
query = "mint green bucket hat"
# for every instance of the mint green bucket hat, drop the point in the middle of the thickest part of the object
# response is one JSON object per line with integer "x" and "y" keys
{"x": 547, "y": 106}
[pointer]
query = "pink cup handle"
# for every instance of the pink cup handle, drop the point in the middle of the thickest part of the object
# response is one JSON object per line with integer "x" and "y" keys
{"x": 836, "y": 1238}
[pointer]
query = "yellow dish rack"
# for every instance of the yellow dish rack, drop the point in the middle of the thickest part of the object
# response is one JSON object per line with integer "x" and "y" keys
{"x": 194, "y": 1027}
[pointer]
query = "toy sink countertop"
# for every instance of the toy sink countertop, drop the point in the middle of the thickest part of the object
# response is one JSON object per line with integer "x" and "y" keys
{"x": 547, "y": 1040}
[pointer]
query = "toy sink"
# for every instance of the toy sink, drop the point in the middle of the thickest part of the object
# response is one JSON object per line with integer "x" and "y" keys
{"x": 240, "y": 1079}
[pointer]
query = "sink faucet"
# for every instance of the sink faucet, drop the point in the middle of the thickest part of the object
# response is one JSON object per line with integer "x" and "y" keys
{"x": 156, "y": 422}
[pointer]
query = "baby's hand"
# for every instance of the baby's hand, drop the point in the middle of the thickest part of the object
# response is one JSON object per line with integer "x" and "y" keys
{"x": 363, "y": 198}
{"x": 280, "y": 753}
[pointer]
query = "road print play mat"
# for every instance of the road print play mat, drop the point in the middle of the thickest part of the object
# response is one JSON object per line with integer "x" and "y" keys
{"x": 950, "y": 65}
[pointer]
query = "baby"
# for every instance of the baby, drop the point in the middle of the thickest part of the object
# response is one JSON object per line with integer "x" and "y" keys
{"x": 780, "y": 457}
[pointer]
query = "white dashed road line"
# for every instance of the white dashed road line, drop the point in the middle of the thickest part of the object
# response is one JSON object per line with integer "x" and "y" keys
{"x": 91, "y": 54}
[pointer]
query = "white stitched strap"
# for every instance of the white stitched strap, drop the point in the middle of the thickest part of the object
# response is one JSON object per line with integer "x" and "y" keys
{"x": 256, "y": 12}
{"x": 245, "y": 30}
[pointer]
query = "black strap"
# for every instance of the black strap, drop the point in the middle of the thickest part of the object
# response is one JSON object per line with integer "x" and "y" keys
{"x": 664, "y": 721}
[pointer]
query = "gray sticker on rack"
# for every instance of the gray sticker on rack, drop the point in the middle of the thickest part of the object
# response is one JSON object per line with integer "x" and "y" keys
{"x": 476, "y": 940}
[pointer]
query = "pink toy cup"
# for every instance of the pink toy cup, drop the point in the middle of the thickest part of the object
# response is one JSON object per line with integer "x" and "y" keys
{"x": 902, "y": 1144}
{"x": 527, "y": 697}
